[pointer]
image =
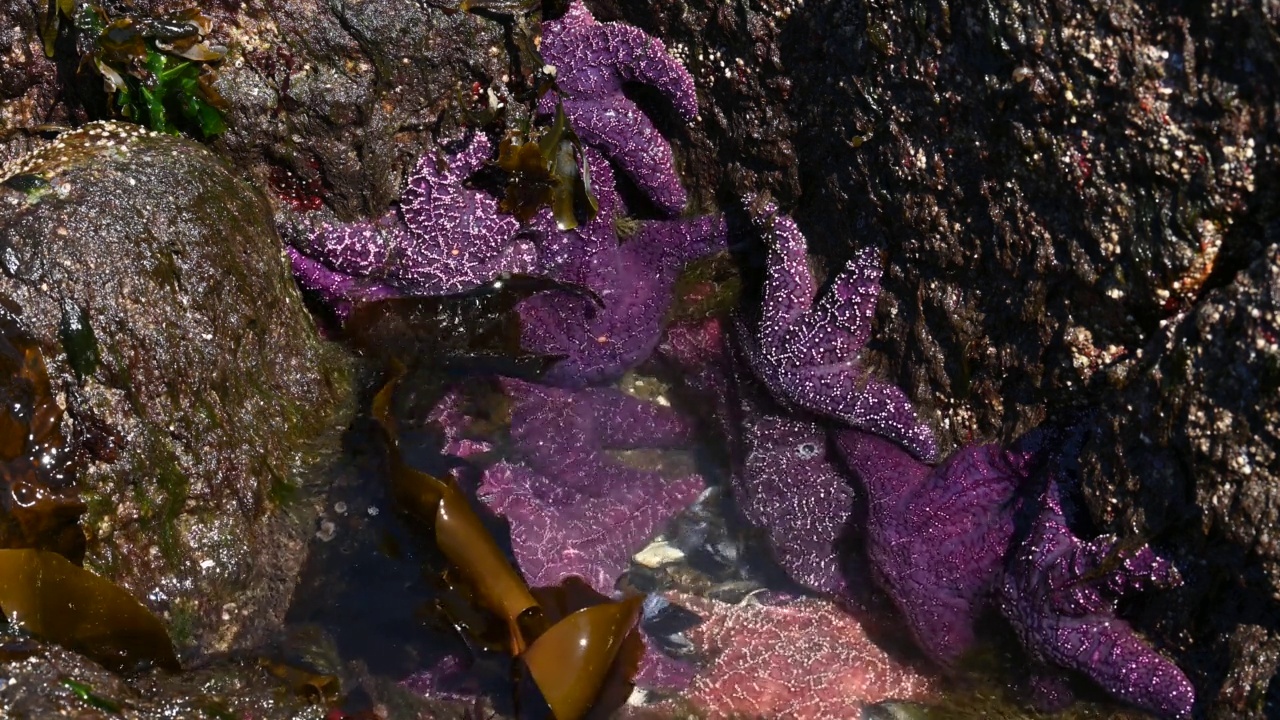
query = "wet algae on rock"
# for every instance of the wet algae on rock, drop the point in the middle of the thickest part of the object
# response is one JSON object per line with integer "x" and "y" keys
{"x": 155, "y": 283}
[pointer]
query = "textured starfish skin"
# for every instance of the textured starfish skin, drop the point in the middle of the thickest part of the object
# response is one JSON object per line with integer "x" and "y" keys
{"x": 806, "y": 353}
{"x": 337, "y": 290}
{"x": 790, "y": 486}
{"x": 592, "y": 62}
{"x": 566, "y": 434}
{"x": 1060, "y": 595}
{"x": 785, "y": 478}
{"x": 807, "y": 659}
{"x": 557, "y": 532}
{"x": 572, "y": 509}
{"x": 634, "y": 280}
{"x": 445, "y": 238}
{"x": 936, "y": 537}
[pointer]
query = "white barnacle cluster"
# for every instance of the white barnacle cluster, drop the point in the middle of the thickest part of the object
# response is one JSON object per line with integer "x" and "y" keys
{"x": 104, "y": 135}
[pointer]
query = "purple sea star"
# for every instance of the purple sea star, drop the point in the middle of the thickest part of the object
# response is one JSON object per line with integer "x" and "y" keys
{"x": 792, "y": 488}
{"x": 1060, "y": 595}
{"x": 566, "y": 434}
{"x": 806, "y": 353}
{"x": 572, "y": 509}
{"x": 634, "y": 280}
{"x": 936, "y": 536}
{"x": 592, "y": 62}
{"x": 445, "y": 238}
{"x": 785, "y": 478}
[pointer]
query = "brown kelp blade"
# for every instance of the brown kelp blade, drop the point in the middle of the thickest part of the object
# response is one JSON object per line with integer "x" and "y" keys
{"x": 573, "y": 660}
{"x": 51, "y": 598}
{"x": 459, "y": 533}
{"x": 477, "y": 331}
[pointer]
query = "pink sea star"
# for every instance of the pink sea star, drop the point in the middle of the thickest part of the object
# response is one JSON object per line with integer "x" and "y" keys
{"x": 805, "y": 659}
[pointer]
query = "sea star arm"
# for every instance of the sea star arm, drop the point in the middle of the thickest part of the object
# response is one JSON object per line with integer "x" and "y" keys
{"x": 628, "y": 137}
{"x": 625, "y": 422}
{"x": 807, "y": 354}
{"x": 337, "y": 290}
{"x": 789, "y": 288}
{"x": 592, "y": 62}
{"x": 850, "y": 302}
{"x": 360, "y": 249}
{"x": 679, "y": 242}
{"x": 789, "y": 487}
{"x": 1051, "y": 595}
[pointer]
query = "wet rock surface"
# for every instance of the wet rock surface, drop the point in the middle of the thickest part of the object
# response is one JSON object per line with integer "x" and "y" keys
{"x": 45, "y": 681}
{"x": 1053, "y": 183}
{"x": 155, "y": 284}
{"x": 1077, "y": 203}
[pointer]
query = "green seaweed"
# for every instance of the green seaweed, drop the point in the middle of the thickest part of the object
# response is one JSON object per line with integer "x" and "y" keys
{"x": 158, "y": 70}
{"x": 85, "y": 692}
{"x": 78, "y": 340}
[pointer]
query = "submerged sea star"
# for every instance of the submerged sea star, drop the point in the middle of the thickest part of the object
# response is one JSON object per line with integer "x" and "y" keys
{"x": 936, "y": 537}
{"x": 557, "y": 532}
{"x": 445, "y": 238}
{"x": 574, "y": 510}
{"x": 1060, "y": 595}
{"x": 806, "y": 353}
{"x": 566, "y": 434}
{"x": 634, "y": 280}
{"x": 592, "y": 62}
{"x": 807, "y": 659}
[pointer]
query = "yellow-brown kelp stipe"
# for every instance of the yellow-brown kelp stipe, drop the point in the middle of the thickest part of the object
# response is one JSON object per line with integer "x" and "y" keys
{"x": 585, "y": 659}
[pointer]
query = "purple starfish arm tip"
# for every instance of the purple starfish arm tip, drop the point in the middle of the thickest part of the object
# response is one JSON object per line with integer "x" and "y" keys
{"x": 936, "y": 537}
{"x": 1060, "y": 596}
{"x": 807, "y": 353}
{"x": 446, "y": 238}
{"x": 340, "y": 292}
{"x": 592, "y": 61}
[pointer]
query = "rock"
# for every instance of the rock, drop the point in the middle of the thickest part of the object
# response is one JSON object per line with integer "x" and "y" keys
{"x": 329, "y": 102}
{"x": 1050, "y": 182}
{"x": 46, "y": 681}
{"x": 1187, "y": 452}
{"x": 157, "y": 288}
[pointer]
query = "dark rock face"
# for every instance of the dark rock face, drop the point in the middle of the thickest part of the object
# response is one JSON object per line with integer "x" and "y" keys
{"x": 1079, "y": 208}
{"x": 155, "y": 283}
{"x": 1187, "y": 451}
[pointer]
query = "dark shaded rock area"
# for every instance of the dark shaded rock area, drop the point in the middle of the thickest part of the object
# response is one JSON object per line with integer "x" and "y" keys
{"x": 1077, "y": 201}
{"x": 155, "y": 283}
{"x": 45, "y": 681}
{"x": 1078, "y": 205}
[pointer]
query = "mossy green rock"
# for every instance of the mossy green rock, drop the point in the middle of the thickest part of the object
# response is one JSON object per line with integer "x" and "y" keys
{"x": 190, "y": 370}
